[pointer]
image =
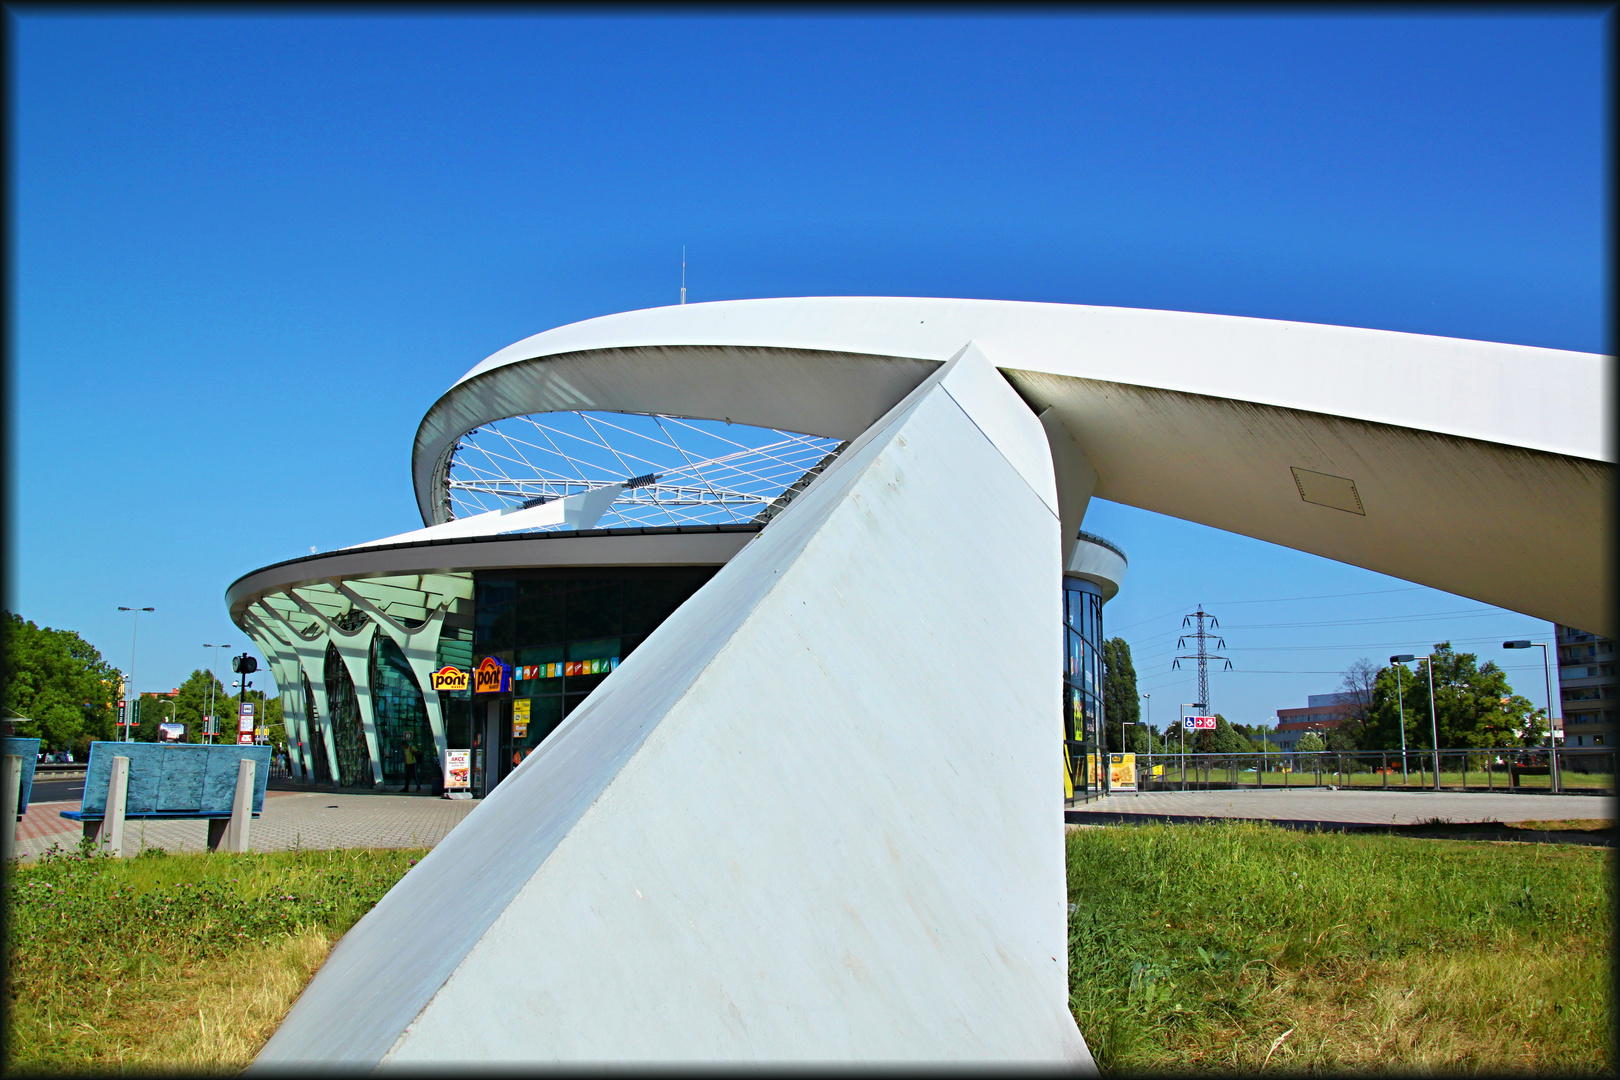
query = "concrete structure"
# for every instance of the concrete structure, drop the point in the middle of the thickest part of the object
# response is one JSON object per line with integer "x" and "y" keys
{"x": 1587, "y": 687}
{"x": 634, "y": 886}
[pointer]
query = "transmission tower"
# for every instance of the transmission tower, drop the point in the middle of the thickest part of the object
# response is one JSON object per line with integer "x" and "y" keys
{"x": 1201, "y": 639}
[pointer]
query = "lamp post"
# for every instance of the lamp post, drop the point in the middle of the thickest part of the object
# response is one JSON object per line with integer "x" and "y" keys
{"x": 212, "y": 679}
{"x": 1400, "y": 663}
{"x": 1183, "y": 725}
{"x": 1434, "y": 727}
{"x": 132, "y": 698}
{"x": 174, "y": 711}
{"x": 1546, "y": 674}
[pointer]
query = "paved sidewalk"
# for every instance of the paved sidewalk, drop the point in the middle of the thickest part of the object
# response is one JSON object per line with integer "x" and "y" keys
{"x": 1328, "y": 807}
{"x": 291, "y": 819}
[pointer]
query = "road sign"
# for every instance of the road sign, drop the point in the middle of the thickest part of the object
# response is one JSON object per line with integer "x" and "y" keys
{"x": 1198, "y": 723}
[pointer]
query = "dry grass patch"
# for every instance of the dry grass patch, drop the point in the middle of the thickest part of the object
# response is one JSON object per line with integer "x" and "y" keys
{"x": 1242, "y": 947}
{"x": 173, "y": 963}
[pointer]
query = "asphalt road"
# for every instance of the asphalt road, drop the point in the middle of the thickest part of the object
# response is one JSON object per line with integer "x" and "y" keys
{"x": 57, "y": 790}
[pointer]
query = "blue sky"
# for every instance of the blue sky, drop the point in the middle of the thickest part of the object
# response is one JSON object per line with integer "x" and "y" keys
{"x": 251, "y": 251}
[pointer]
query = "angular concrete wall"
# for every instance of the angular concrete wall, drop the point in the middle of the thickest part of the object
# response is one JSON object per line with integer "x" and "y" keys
{"x": 815, "y": 817}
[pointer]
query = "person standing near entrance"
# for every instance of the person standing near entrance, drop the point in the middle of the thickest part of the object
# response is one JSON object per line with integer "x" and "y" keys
{"x": 410, "y": 766}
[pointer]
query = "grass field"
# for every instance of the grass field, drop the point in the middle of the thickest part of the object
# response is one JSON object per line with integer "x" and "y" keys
{"x": 1227, "y": 946}
{"x": 178, "y": 961}
{"x": 1240, "y": 946}
{"x": 1419, "y": 776}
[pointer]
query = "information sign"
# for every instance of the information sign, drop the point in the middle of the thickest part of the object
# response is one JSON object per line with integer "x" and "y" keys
{"x": 520, "y": 718}
{"x": 1198, "y": 723}
{"x": 1122, "y": 772}
{"x": 244, "y": 720}
{"x": 457, "y": 770}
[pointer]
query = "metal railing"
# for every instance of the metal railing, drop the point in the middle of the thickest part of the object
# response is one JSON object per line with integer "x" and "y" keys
{"x": 1568, "y": 770}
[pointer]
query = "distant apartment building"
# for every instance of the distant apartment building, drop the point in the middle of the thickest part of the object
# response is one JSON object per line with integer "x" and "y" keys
{"x": 1321, "y": 713}
{"x": 1586, "y": 687}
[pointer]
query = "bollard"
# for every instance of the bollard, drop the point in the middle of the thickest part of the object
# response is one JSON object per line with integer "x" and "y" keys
{"x": 10, "y": 796}
{"x": 110, "y": 834}
{"x": 236, "y": 834}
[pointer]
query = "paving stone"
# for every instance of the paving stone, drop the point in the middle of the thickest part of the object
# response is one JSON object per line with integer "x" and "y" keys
{"x": 291, "y": 819}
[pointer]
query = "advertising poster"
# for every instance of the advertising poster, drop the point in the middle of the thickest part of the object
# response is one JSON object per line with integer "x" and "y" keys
{"x": 520, "y": 718}
{"x": 1122, "y": 772}
{"x": 457, "y": 770}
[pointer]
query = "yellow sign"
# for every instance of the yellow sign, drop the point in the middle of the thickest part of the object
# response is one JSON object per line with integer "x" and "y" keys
{"x": 491, "y": 677}
{"x": 1068, "y": 774}
{"x": 520, "y": 718}
{"x": 450, "y": 678}
{"x": 1122, "y": 772}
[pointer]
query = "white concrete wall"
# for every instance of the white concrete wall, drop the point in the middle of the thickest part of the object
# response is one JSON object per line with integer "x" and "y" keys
{"x": 816, "y": 816}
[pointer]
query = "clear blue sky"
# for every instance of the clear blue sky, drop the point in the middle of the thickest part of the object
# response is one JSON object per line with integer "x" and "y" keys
{"x": 251, "y": 251}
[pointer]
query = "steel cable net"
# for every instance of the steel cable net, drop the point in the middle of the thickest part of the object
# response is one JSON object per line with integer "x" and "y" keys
{"x": 678, "y": 471}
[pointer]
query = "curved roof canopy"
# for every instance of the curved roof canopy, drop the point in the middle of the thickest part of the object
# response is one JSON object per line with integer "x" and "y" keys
{"x": 1475, "y": 467}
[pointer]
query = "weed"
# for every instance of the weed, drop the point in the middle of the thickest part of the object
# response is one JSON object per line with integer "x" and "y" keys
{"x": 1242, "y": 946}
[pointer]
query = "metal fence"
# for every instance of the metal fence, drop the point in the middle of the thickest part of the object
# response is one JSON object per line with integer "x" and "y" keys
{"x": 1586, "y": 770}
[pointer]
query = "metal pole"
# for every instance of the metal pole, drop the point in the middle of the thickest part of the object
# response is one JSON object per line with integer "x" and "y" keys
{"x": 1434, "y": 726}
{"x": 1400, "y": 707}
{"x": 1552, "y": 743}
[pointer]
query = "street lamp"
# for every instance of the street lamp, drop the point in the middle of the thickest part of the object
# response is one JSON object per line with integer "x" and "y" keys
{"x": 132, "y": 699}
{"x": 212, "y": 678}
{"x": 173, "y": 712}
{"x": 1400, "y": 663}
{"x": 1434, "y": 727}
{"x": 1546, "y": 674}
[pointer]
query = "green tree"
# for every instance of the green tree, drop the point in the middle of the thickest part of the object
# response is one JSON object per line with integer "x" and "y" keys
{"x": 1120, "y": 700}
{"x": 1310, "y": 743}
{"x": 55, "y": 686}
{"x": 1228, "y": 740}
{"x": 1474, "y": 705}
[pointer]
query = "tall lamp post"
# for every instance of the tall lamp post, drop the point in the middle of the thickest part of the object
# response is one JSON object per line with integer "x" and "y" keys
{"x": 1546, "y": 674}
{"x": 1434, "y": 727}
{"x": 212, "y": 679}
{"x": 1183, "y": 726}
{"x": 1400, "y": 663}
{"x": 132, "y": 697}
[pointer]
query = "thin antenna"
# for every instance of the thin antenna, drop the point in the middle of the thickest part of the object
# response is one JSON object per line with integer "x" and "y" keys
{"x": 683, "y": 273}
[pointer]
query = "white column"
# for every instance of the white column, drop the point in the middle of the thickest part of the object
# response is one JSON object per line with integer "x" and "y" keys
{"x": 311, "y": 654}
{"x": 909, "y": 905}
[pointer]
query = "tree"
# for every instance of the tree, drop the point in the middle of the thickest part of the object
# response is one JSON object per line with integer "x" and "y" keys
{"x": 1120, "y": 700}
{"x": 1228, "y": 740}
{"x": 1359, "y": 685}
{"x": 1473, "y": 705}
{"x": 55, "y": 686}
{"x": 1310, "y": 742}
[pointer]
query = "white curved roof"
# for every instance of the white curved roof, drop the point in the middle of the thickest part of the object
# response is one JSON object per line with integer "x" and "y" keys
{"x": 1475, "y": 389}
{"x": 1476, "y": 467}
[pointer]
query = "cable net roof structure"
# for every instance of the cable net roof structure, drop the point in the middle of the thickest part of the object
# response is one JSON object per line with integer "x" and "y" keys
{"x": 678, "y": 471}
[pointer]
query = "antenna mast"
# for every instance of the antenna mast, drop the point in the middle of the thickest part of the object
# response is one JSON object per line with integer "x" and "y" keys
{"x": 683, "y": 273}
{"x": 1201, "y": 639}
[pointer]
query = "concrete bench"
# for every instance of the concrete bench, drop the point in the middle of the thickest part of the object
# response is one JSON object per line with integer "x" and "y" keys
{"x": 18, "y": 758}
{"x": 222, "y": 785}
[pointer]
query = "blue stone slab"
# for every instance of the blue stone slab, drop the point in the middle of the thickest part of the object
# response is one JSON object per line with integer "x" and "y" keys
{"x": 187, "y": 779}
{"x": 28, "y": 750}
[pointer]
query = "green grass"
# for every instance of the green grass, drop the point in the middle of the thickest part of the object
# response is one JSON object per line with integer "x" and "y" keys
{"x": 1240, "y": 946}
{"x": 1417, "y": 778}
{"x": 176, "y": 961}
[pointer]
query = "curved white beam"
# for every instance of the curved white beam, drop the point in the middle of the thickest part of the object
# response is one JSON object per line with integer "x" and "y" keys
{"x": 1480, "y": 468}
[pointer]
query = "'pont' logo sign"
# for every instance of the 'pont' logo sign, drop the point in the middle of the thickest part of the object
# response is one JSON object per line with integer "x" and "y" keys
{"x": 451, "y": 678}
{"x": 491, "y": 677}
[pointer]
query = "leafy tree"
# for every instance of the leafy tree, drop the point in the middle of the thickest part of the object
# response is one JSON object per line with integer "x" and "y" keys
{"x": 1473, "y": 705}
{"x": 1310, "y": 742}
{"x": 1228, "y": 740}
{"x": 1120, "y": 700}
{"x": 55, "y": 685}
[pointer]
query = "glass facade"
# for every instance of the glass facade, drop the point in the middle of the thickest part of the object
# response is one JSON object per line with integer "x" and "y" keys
{"x": 562, "y": 631}
{"x": 317, "y": 741}
{"x": 1084, "y": 739}
{"x": 400, "y": 716}
{"x": 348, "y": 733}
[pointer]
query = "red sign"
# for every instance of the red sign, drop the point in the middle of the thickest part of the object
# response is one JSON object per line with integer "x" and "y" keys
{"x": 1198, "y": 723}
{"x": 245, "y": 739}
